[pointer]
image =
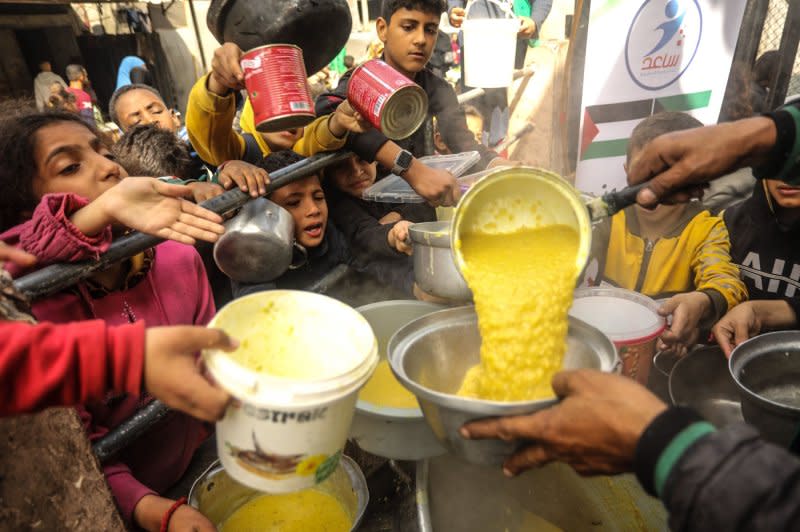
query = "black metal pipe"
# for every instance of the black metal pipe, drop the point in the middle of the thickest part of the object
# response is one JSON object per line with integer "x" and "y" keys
{"x": 779, "y": 84}
{"x": 130, "y": 429}
{"x": 59, "y": 276}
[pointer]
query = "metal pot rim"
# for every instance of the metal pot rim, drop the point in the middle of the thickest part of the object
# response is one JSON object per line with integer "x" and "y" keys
{"x": 403, "y": 338}
{"x": 754, "y": 348}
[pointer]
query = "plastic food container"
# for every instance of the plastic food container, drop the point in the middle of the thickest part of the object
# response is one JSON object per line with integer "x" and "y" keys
{"x": 629, "y": 319}
{"x": 394, "y": 189}
{"x": 295, "y": 377}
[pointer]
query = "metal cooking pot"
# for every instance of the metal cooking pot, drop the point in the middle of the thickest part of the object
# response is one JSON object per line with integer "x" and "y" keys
{"x": 216, "y": 495}
{"x": 434, "y": 269}
{"x": 258, "y": 244}
{"x": 320, "y": 27}
{"x": 701, "y": 381}
{"x": 767, "y": 371}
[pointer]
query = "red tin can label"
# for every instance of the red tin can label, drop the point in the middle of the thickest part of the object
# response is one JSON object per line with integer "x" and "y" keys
{"x": 375, "y": 89}
{"x": 275, "y": 79}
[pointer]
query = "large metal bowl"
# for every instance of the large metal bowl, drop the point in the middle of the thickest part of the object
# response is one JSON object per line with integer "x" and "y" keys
{"x": 396, "y": 433}
{"x": 431, "y": 355}
{"x": 701, "y": 380}
{"x": 766, "y": 370}
{"x": 434, "y": 269}
{"x": 216, "y": 495}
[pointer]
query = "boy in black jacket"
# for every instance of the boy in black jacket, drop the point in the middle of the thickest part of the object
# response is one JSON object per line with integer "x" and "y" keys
{"x": 325, "y": 245}
{"x": 408, "y": 29}
{"x": 375, "y": 232}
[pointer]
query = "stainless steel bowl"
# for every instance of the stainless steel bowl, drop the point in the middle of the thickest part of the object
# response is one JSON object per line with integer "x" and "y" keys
{"x": 434, "y": 268}
{"x": 701, "y": 380}
{"x": 396, "y": 433}
{"x": 216, "y": 495}
{"x": 258, "y": 243}
{"x": 766, "y": 370}
{"x": 431, "y": 355}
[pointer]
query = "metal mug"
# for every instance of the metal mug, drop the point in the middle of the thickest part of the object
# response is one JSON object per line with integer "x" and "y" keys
{"x": 258, "y": 245}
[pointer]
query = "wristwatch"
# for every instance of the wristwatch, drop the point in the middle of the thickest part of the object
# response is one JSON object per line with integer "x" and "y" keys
{"x": 402, "y": 162}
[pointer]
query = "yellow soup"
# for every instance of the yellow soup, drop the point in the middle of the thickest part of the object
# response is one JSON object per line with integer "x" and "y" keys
{"x": 522, "y": 284}
{"x": 382, "y": 389}
{"x": 302, "y": 511}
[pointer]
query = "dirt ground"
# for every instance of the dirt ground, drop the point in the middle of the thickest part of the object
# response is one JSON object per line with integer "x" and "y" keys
{"x": 49, "y": 478}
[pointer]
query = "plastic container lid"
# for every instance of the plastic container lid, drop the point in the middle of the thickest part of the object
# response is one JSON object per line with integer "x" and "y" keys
{"x": 395, "y": 189}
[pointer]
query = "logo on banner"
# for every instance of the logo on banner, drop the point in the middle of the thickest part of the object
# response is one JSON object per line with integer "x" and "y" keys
{"x": 662, "y": 42}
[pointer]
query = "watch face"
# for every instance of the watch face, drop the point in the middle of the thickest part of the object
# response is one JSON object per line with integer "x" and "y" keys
{"x": 404, "y": 159}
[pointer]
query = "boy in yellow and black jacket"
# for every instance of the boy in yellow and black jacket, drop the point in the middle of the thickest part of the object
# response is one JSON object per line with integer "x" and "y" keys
{"x": 680, "y": 253}
{"x": 211, "y": 111}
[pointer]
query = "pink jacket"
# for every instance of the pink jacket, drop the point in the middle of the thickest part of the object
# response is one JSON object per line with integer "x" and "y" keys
{"x": 175, "y": 291}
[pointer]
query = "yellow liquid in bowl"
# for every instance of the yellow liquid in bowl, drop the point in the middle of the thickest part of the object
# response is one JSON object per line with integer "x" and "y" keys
{"x": 522, "y": 285}
{"x": 302, "y": 511}
{"x": 383, "y": 389}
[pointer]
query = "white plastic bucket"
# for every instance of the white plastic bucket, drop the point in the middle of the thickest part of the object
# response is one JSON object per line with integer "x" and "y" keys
{"x": 490, "y": 47}
{"x": 295, "y": 377}
{"x": 629, "y": 319}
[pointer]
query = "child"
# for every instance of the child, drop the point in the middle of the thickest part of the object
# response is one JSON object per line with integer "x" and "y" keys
{"x": 151, "y": 150}
{"x": 212, "y": 107}
{"x": 325, "y": 245}
{"x": 59, "y": 177}
{"x": 764, "y": 231}
{"x": 409, "y": 30}
{"x": 679, "y": 252}
{"x": 376, "y": 232}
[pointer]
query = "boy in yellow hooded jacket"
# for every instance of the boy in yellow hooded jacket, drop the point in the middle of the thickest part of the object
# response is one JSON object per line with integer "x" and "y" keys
{"x": 680, "y": 253}
{"x": 212, "y": 108}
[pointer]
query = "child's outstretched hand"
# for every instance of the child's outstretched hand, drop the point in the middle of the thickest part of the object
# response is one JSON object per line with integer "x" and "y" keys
{"x": 248, "y": 177}
{"x": 226, "y": 70}
{"x": 203, "y": 190}
{"x": 687, "y": 310}
{"x": 150, "y": 510}
{"x": 398, "y": 237}
{"x": 171, "y": 372}
{"x": 345, "y": 119}
{"x": 15, "y": 256}
{"x": 151, "y": 206}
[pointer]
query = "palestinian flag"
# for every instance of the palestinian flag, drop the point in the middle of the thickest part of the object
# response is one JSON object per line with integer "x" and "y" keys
{"x": 607, "y": 128}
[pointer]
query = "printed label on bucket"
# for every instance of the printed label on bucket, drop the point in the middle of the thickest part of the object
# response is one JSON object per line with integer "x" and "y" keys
{"x": 283, "y": 449}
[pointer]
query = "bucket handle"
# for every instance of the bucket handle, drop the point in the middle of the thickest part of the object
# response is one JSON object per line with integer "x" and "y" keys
{"x": 502, "y": 5}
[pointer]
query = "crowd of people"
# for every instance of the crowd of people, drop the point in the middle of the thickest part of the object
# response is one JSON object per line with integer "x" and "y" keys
{"x": 126, "y": 334}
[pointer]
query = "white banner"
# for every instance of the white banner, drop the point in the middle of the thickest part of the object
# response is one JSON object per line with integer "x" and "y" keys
{"x": 643, "y": 57}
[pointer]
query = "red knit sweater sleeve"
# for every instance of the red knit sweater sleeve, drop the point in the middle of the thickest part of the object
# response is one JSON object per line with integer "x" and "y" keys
{"x": 48, "y": 365}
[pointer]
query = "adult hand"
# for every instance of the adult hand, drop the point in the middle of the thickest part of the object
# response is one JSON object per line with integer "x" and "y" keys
{"x": 171, "y": 372}
{"x": 527, "y": 28}
{"x": 248, "y": 177}
{"x": 676, "y": 163}
{"x": 687, "y": 310}
{"x": 226, "y": 70}
{"x": 345, "y": 119}
{"x": 457, "y": 15}
{"x": 438, "y": 187}
{"x": 202, "y": 190}
{"x": 398, "y": 237}
{"x": 595, "y": 428}
{"x": 157, "y": 208}
{"x": 15, "y": 256}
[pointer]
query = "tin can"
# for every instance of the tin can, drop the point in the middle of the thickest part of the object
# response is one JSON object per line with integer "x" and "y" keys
{"x": 275, "y": 79}
{"x": 389, "y": 100}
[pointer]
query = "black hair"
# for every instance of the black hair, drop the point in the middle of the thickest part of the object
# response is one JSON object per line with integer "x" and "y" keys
{"x": 765, "y": 67}
{"x": 17, "y": 148}
{"x": 112, "y": 103}
{"x": 470, "y": 110}
{"x": 279, "y": 159}
{"x": 657, "y": 125}
{"x": 74, "y": 72}
{"x": 147, "y": 150}
{"x": 435, "y": 7}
